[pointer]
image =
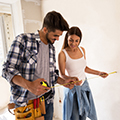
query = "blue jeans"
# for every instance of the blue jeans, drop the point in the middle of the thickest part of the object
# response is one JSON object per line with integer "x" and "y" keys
{"x": 49, "y": 111}
{"x": 75, "y": 111}
{"x": 80, "y": 107}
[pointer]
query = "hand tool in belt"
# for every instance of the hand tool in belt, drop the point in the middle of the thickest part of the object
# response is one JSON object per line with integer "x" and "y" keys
{"x": 36, "y": 106}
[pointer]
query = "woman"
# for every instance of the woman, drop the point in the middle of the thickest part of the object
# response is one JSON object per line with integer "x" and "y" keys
{"x": 78, "y": 102}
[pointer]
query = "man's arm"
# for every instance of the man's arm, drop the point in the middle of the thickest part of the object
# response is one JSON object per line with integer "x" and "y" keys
{"x": 34, "y": 87}
{"x": 69, "y": 83}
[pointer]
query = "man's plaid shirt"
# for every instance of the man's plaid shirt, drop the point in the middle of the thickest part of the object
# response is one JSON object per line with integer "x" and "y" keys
{"x": 22, "y": 60}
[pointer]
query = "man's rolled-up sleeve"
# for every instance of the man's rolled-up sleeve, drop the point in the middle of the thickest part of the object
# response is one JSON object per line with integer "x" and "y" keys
{"x": 12, "y": 63}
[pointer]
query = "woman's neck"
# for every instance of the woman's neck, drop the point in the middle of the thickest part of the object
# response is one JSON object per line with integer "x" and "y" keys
{"x": 72, "y": 50}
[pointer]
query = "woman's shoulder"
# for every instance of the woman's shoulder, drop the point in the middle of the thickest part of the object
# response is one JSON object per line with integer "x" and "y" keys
{"x": 61, "y": 56}
{"x": 83, "y": 49}
{"x": 62, "y": 53}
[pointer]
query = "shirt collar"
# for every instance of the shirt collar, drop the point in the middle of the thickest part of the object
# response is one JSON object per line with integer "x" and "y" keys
{"x": 37, "y": 37}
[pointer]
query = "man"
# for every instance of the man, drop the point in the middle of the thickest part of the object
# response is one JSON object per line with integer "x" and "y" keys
{"x": 31, "y": 60}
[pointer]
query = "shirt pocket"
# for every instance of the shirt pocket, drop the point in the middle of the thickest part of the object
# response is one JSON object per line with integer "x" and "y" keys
{"x": 29, "y": 58}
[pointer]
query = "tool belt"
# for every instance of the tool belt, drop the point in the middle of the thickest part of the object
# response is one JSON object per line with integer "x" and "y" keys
{"x": 47, "y": 95}
{"x": 32, "y": 111}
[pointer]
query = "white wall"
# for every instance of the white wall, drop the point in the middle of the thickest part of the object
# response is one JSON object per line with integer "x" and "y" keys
{"x": 17, "y": 17}
{"x": 15, "y": 11}
{"x": 99, "y": 22}
{"x": 31, "y": 17}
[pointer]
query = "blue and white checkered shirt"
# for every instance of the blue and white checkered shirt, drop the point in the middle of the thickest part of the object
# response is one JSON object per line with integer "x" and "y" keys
{"x": 22, "y": 60}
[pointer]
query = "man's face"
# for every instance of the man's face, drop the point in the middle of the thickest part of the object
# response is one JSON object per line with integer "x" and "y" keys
{"x": 53, "y": 36}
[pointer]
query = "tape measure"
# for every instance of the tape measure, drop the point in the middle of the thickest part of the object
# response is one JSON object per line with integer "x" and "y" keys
{"x": 87, "y": 79}
{"x": 43, "y": 83}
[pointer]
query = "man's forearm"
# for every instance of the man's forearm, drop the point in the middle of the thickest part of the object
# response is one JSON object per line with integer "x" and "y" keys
{"x": 34, "y": 87}
{"x": 20, "y": 81}
{"x": 69, "y": 83}
{"x": 60, "y": 81}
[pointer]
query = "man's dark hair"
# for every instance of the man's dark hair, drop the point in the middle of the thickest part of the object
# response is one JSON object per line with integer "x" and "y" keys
{"x": 54, "y": 21}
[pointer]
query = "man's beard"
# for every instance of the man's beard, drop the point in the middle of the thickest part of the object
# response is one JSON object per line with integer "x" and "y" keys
{"x": 48, "y": 40}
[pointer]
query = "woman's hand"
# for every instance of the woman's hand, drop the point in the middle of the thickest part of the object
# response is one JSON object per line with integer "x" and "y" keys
{"x": 103, "y": 74}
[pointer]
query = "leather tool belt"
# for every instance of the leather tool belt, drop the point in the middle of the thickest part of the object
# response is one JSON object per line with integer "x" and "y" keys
{"x": 32, "y": 111}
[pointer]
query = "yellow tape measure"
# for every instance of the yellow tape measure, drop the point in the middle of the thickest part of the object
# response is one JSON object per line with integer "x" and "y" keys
{"x": 100, "y": 76}
{"x": 87, "y": 79}
{"x": 44, "y": 84}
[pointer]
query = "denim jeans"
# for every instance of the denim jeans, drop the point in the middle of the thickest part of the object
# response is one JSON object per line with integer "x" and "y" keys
{"x": 49, "y": 111}
{"x": 84, "y": 99}
{"x": 75, "y": 112}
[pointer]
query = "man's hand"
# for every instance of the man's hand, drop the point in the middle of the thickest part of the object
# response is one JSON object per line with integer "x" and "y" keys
{"x": 69, "y": 83}
{"x": 34, "y": 87}
{"x": 37, "y": 88}
{"x": 76, "y": 81}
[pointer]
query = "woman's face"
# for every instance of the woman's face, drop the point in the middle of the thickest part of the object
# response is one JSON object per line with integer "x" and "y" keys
{"x": 73, "y": 41}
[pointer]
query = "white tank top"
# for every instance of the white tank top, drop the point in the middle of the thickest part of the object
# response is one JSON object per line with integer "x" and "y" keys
{"x": 76, "y": 67}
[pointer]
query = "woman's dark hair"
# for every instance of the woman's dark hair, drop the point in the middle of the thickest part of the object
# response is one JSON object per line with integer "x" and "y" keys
{"x": 71, "y": 31}
{"x": 54, "y": 20}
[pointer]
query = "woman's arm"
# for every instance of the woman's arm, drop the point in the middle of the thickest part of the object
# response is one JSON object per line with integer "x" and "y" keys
{"x": 62, "y": 64}
{"x": 96, "y": 72}
{"x": 92, "y": 71}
